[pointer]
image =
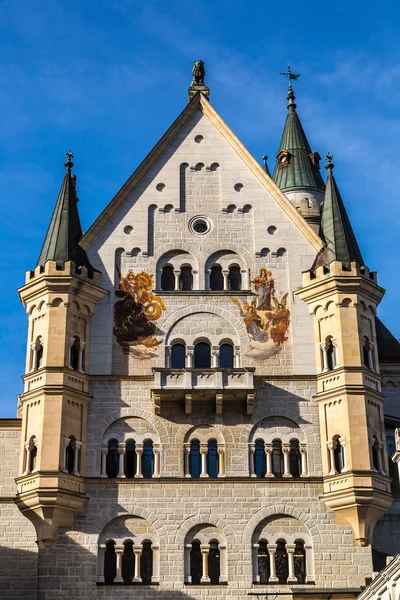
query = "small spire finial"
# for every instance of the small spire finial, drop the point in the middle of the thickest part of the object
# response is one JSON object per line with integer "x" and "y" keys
{"x": 266, "y": 169}
{"x": 69, "y": 164}
{"x": 329, "y": 164}
{"x": 290, "y": 76}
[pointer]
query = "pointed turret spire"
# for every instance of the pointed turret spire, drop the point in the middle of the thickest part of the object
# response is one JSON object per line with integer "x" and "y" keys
{"x": 265, "y": 165}
{"x": 341, "y": 243}
{"x": 62, "y": 238}
{"x": 296, "y": 166}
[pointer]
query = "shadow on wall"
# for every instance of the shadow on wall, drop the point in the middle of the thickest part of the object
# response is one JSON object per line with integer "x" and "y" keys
{"x": 18, "y": 571}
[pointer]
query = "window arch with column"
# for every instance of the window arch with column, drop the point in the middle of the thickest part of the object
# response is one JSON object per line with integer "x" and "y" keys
{"x": 177, "y": 270}
{"x": 277, "y": 448}
{"x": 205, "y": 556}
{"x": 337, "y": 455}
{"x": 31, "y": 447}
{"x": 37, "y": 353}
{"x": 72, "y": 455}
{"x": 204, "y": 453}
{"x": 282, "y": 552}
{"x": 128, "y": 552}
{"x": 225, "y": 270}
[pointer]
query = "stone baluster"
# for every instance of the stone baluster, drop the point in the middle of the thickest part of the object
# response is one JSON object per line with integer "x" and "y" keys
{"x": 104, "y": 452}
{"x": 290, "y": 552}
{"x": 156, "y": 452}
{"x": 304, "y": 461}
{"x": 119, "y": 551}
{"x": 139, "y": 452}
{"x": 137, "y": 551}
{"x": 221, "y": 462}
{"x": 76, "y": 447}
{"x": 272, "y": 564}
{"x": 215, "y": 357}
{"x": 205, "y": 551}
{"x": 186, "y": 451}
{"x": 252, "y": 451}
{"x": 177, "y": 273}
{"x": 286, "y": 460}
{"x": 225, "y": 274}
{"x": 268, "y": 455}
{"x": 203, "y": 453}
{"x": 331, "y": 448}
{"x": 121, "y": 455}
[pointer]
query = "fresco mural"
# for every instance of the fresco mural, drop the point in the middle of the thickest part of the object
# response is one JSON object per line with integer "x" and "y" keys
{"x": 266, "y": 317}
{"x": 136, "y": 313}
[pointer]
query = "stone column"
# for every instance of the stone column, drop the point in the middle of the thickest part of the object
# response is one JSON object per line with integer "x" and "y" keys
{"x": 71, "y": 343}
{"x": 186, "y": 452}
{"x": 77, "y": 446}
{"x": 203, "y": 453}
{"x": 324, "y": 349}
{"x": 331, "y": 458}
{"x": 225, "y": 274}
{"x": 221, "y": 462}
{"x": 66, "y": 444}
{"x": 188, "y": 577}
{"x": 379, "y": 456}
{"x": 168, "y": 357}
{"x": 254, "y": 562}
{"x": 268, "y": 454}
{"x": 81, "y": 347}
{"x": 100, "y": 563}
{"x": 34, "y": 348}
{"x": 155, "y": 578}
{"x": 139, "y": 452}
{"x": 137, "y": 551}
{"x": 342, "y": 442}
{"x": 304, "y": 461}
{"x": 156, "y": 452}
{"x": 104, "y": 452}
{"x": 290, "y": 552}
{"x": 236, "y": 357}
{"x": 272, "y": 564}
{"x": 121, "y": 453}
{"x": 28, "y": 450}
{"x": 335, "y": 354}
{"x": 215, "y": 357}
{"x": 177, "y": 273}
{"x": 205, "y": 550}
{"x": 119, "y": 551}
{"x": 252, "y": 450}
{"x": 286, "y": 460}
{"x": 189, "y": 356}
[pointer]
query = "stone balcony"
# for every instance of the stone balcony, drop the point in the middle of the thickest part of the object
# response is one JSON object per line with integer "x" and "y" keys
{"x": 190, "y": 385}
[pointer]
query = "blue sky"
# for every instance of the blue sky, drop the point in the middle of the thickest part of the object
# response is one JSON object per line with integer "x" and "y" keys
{"x": 107, "y": 78}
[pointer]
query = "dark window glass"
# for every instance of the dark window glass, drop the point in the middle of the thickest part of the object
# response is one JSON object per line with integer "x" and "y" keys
{"x": 110, "y": 563}
{"x": 216, "y": 278}
{"x": 212, "y": 458}
{"x": 294, "y": 458}
{"x": 234, "y": 278}
{"x": 282, "y": 566}
{"x": 147, "y": 459}
{"x": 128, "y": 563}
{"x": 259, "y": 459}
{"x": 226, "y": 356}
{"x": 39, "y": 357}
{"x": 195, "y": 563}
{"x": 130, "y": 459}
{"x": 330, "y": 355}
{"x": 186, "y": 279}
{"x": 69, "y": 455}
{"x": 277, "y": 458}
{"x": 167, "y": 278}
{"x": 146, "y": 563}
{"x": 338, "y": 455}
{"x": 365, "y": 354}
{"x": 214, "y": 563}
{"x": 75, "y": 354}
{"x": 112, "y": 459}
{"x": 33, "y": 461}
{"x": 195, "y": 459}
{"x": 178, "y": 356}
{"x": 263, "y": 562}
{"x": 300, "y": 562}
{"x": 202, "y": 356}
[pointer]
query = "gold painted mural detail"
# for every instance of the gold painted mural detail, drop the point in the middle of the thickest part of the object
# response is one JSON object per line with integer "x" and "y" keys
{"x": 135, "y": 314}
{"x": 266, "y": 317}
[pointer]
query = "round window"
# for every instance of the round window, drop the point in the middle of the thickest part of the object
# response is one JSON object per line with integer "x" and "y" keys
{"x": 199, "y": 225}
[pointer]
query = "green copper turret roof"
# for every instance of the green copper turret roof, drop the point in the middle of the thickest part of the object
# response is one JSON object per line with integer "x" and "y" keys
{"x": 64, "y": 232}
{"x": 300, "y": 172}
{"x": 341, "y": 243}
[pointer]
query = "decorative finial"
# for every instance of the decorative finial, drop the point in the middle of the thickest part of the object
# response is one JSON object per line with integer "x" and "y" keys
{"x": 198, "y": 72}
{"x": 69, "y": 164}
{"x": 265, "y": 158}
{"x": 290, "y": 76}
{"x": 329, "y": 164}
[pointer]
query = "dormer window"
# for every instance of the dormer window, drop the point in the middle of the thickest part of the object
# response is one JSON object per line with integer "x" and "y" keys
{"x": 314, "y": 159}
{"x": 283, "y": 158}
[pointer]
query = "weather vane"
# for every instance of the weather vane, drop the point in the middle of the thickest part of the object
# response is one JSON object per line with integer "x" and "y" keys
{"x": 290, "y": 75}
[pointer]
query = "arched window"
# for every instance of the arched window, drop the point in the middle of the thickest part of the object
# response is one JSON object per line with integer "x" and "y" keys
{"x": 214, "y": 563}
{"x": 37, "y": 353}
{"x": 148, "y": 459}
{"x": 167, "y": 278}
{"x": 110, "y": 563}
{"x": 338, "y": 454}
{"x": 330, "y": 353}
{"x": 300, "y": 561}
{"x": 70, "y": 454}
{"x": 130, "y": 458}
{"x": 186, "y": 278}
{"x": 74, "y": 353}
{"x": 365, "y": 351}
{"x": 178, "y": 356}
{"x": 295, "y": 458}
{"x": 234, "y": 278}
{"x": 216, "y": 278}
{"x": 128, "y": 563}
{"x": 195, "y": 459}
{"x": 263, "y": 567}
{"x": 281, "y": 561}
{"x": 259, "y": 459}
{"x": 212, "y": 458}
{"x": 202, "y": 355}
{"x": 33, "y": 456}
{"x": 226, "y": 356}
{"x": 195, "y": 562}
{"x": 146, "y": 563}
{"x": 112, "y": 459}
{"x": 277, "y": 458}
